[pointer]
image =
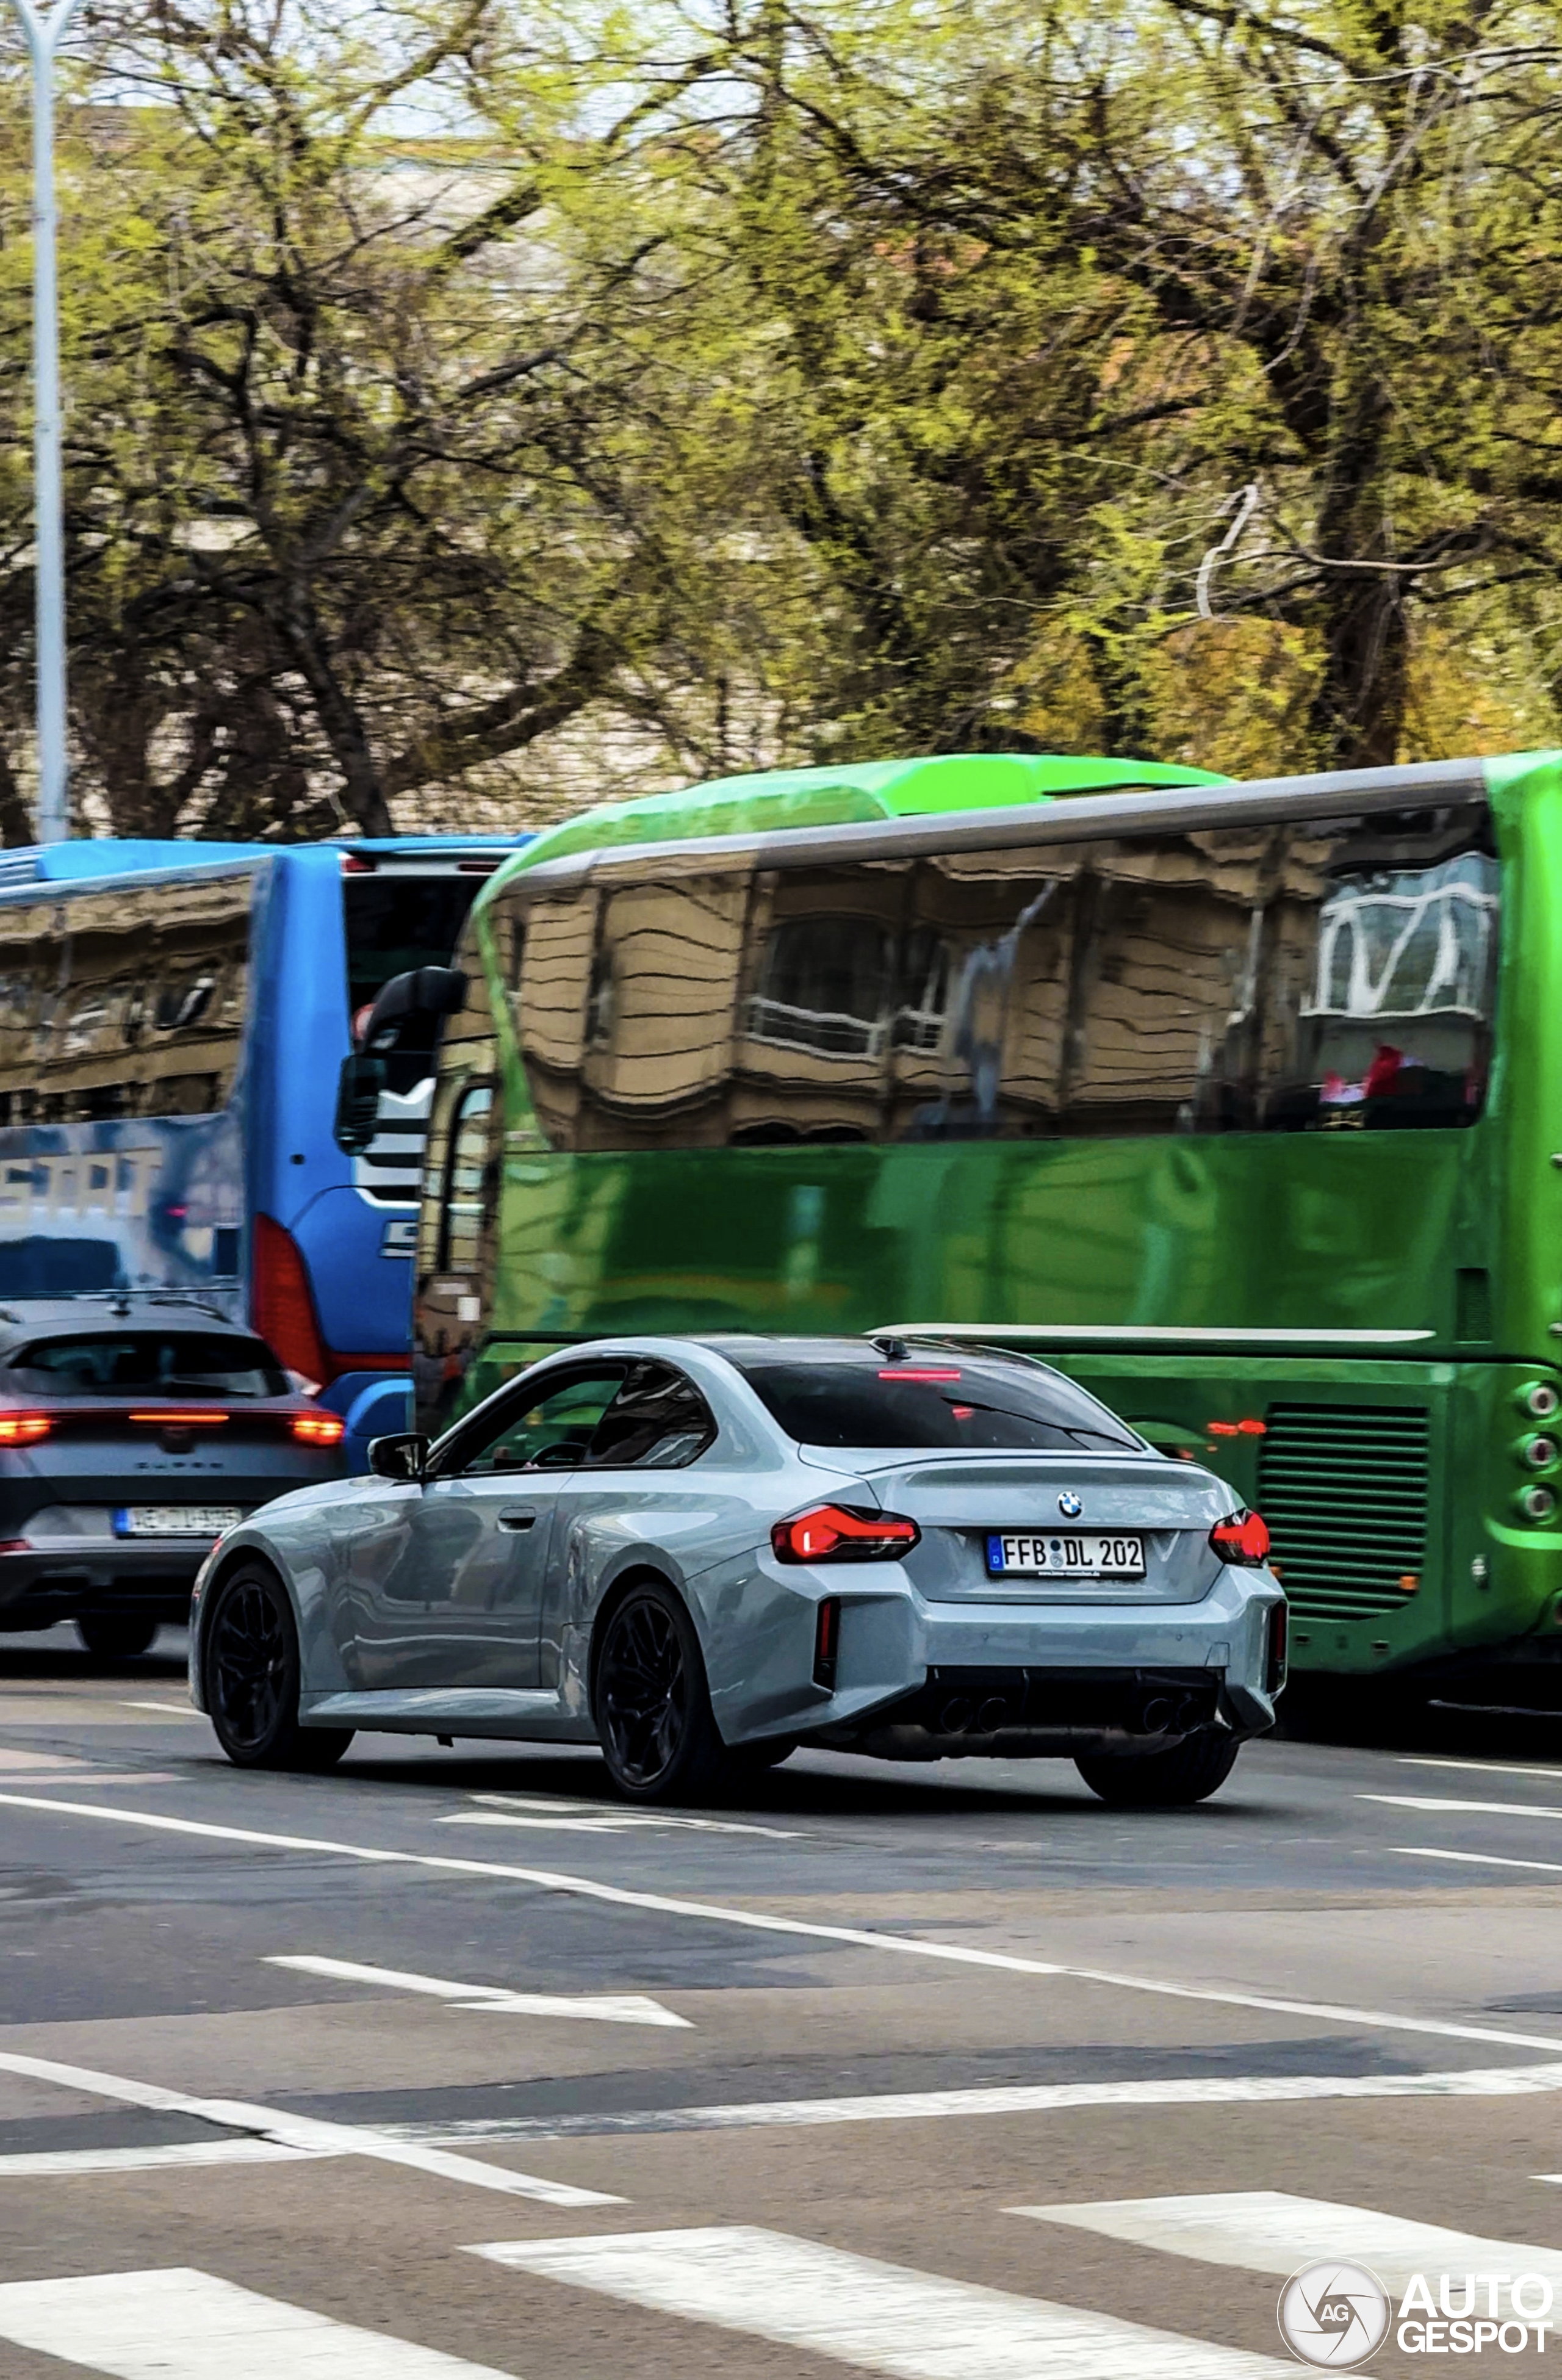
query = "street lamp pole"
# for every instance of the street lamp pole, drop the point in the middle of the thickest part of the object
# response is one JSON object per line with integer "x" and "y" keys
{"x": 44, "y": 32}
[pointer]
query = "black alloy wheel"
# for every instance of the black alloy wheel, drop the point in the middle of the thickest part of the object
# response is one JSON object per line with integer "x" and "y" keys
{"x": 252, "y": 1676}
{"x": 659, "y": 1733}
{"x": 1190, "y": 1772}
{"x": 116, "y": 1635}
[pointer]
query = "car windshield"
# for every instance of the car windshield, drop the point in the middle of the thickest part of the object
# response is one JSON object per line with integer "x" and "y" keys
{"x": 931, "y": 1401}
{"x": 152, "y": 1364}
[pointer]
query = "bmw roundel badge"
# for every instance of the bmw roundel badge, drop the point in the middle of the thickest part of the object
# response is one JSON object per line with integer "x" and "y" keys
{"x": 1069, "y": 1506}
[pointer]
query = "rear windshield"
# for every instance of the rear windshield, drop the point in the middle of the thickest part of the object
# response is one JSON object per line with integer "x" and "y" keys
{"x": 932, "y": 1403}
{"x": 152, "y": 1364}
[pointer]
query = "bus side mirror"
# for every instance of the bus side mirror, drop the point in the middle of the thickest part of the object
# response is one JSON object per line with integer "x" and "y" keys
{"x": 422, "y": 992}
{"x": 359, "y": 1087}
{"x": 403, "y": 1458}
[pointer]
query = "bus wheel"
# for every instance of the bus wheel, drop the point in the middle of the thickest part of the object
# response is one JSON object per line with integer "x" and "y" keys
{"x": 1161, "y": 1781}
{"x": 116, "y": 1635}
{"x": 251, "y": 1676}
{"x": 659, "y": 1734}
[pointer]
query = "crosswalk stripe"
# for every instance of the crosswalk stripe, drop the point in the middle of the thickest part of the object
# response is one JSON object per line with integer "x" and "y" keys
{"x": 183, "y": 2325}
{"x": 1269, "y": 2231}
{"x": 881, "y": 2317}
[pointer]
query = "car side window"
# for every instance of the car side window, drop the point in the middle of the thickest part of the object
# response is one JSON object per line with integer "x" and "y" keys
{"x": 659, "y": 1421}
{"x": 549, "y": 1432}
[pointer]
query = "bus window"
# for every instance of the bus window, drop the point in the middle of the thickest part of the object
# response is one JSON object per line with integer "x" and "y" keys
{"x": 1302, "y": 976}
{"x": 129, "y": 1003}
{"x": 397, "y": 920}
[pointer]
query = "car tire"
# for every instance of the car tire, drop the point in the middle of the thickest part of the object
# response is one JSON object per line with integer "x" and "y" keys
{"x": 1161, "y": 1781}
{"x": 651, "y": 1702}
{"x": 251, "y": 1672}
{"x": 116, "y": 1635}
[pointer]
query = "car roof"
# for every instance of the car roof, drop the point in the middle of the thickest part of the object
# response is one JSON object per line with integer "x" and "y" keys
{"x": 87, "y": 1317}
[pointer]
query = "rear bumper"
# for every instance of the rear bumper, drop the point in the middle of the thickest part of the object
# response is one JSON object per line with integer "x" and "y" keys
{"x": 1069, "y": 1678}
{"x": 50, "y": 1583}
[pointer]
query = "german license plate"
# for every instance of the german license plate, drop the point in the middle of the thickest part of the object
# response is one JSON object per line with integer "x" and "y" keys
{"x": 1079, "y": 1555}
{"x": 175, "y": 1520}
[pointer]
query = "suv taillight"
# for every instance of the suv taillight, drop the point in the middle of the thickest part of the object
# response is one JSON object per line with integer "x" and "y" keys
{"x": 842, "y": 1532}
{"x": 1241, "y": 1537}
{"x": 24, "y": 1428}
{"x": 319, "y": 1428}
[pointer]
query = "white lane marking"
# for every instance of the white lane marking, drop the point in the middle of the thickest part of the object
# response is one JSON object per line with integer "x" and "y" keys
{"x": 307, "y": 2132}
{"x": 169, "y": 1710}
{"x": 611, "y": 1822}
{"x": 36, "y": 1764}
{"x": 1477, "y": 1859}
{"x": 1005, "y": 2099}
{"x": 1269, "y": 2231}
{"x": 27, "y": 2165}
{"x": 1486, "y": 1768}
{"x": 880, "y": 2317}
{"x": 761, "y": 1922}
{"x": 1479, "y": 1809}
{"x": 182, "y": 2325}
{"x": 604, "y": 2007}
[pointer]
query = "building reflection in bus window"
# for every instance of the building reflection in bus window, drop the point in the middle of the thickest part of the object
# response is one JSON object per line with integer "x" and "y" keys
{"x": 1291, "y": 977}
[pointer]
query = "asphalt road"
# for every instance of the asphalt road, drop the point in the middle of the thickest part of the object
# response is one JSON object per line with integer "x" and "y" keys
{"x": 447, "y": 2066}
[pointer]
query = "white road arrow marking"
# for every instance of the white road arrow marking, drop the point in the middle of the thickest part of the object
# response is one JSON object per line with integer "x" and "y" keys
{"x": 602, "y": 2007}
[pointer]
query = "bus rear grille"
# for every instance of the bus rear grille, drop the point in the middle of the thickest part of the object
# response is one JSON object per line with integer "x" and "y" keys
{"x": 1344, "y": 1491}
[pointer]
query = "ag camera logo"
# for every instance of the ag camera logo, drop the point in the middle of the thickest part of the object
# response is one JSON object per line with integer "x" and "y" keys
{"x": 1335, "y": 2316}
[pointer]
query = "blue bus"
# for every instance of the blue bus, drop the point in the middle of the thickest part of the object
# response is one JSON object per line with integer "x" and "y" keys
{"x": 175, "y": 1022}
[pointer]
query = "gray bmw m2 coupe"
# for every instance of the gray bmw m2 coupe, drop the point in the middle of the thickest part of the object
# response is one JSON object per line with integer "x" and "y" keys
{"x": 701, "y": 1553}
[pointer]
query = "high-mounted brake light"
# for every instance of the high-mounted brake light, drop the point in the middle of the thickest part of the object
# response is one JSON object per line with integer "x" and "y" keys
{"x": 24, "y": 1428}
{"x": 319, "y": 1428}
{"x": 842, "y": 1532}
{"x": 1241, "y": 1537}
{"x": 181, "y": 1417}
{"x": 922, "y": 1372}
{"x": 354, "y": 864}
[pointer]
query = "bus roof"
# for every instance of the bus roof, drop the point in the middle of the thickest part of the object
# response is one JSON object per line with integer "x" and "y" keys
{"x": 852, "y": 794}
{"x": 91, "y": 855}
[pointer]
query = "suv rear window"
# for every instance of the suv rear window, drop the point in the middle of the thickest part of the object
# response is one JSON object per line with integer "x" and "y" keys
{"x": 933, "y": 1400}
{"x": 152, "y": 1364}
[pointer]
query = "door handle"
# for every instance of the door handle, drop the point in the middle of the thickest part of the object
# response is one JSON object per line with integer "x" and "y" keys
{"x": 515, "y": 1520}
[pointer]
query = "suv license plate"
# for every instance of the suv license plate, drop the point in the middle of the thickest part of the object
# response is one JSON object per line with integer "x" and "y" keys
{"x": 175, "y": 1520}
{"x": 1095, "y": 1556}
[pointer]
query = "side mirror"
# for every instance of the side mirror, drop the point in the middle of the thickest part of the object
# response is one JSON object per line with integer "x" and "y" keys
{"x": 422, "y": 992}
{"x": 359, "y": 1087}
{"x": 404, "y": 1457}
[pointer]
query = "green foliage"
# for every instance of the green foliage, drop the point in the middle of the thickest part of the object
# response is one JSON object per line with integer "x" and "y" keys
{"x": 733, "y": 389}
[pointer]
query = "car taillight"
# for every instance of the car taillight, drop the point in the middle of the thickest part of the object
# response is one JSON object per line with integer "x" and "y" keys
{"x": 319, "y": 1428}
{"x": 282, "y": 1307}
{"x": 1240, "y": 1538}
{"x": 24, "y": 1428}
{"x": 842, "y": 1532}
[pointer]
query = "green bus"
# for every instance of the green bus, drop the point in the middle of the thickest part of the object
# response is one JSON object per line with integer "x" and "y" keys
{"x": 1240, "y": 1102}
